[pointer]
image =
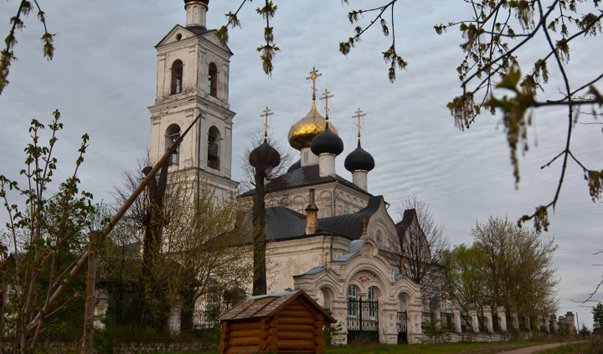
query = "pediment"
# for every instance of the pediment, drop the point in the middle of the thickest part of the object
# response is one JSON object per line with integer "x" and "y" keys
{"x": 176, "y": 34}
{"x": 179, "y": 33}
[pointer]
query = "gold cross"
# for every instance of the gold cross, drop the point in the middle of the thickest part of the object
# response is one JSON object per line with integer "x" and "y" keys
{"x": 359, "y": 115}
{"x": 325, "y": 96}
{"x": 266, "y": 113}
{"x": 313, "y": 76}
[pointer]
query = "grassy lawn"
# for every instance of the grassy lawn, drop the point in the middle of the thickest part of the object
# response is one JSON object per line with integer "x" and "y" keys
{"x": 445, "y": 348}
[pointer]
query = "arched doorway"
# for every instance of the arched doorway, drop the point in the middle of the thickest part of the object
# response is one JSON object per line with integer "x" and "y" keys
{"x": 363, "y": 315}
{"x": 325, "y": 298}
{"x": 402, "y": 320}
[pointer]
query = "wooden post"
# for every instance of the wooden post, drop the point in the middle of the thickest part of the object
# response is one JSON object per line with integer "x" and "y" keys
{"x": 90, "y": 294}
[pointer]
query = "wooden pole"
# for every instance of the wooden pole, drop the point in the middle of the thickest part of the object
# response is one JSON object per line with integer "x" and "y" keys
{"x": 90, "y": 294}
{"x": 82, "y": 260}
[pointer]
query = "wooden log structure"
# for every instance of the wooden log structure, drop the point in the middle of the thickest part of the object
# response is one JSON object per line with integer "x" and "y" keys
{"x": 286, "y": 322}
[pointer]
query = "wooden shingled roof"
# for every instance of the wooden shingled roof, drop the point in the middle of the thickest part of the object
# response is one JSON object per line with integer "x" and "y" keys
{"x": 268, "y": 305}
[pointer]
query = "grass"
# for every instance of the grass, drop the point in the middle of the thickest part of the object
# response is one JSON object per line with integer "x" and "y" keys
{"x": 444, "y": 348}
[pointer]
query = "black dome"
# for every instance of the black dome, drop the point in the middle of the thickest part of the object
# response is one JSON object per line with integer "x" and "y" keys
{"x": 359, "y": 159}
{"x": 264, "y": 157}
{"x": 295, "y": 166}
{"x": 327, "y": 142}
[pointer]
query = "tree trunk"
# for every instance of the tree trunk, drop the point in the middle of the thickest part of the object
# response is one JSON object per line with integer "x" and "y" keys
{"x": 259, "y": 236}
{"x": 90, "y": 295}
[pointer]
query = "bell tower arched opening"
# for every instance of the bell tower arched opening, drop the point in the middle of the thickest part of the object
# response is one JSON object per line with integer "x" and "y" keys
{"x": 213, "y": 148}
{"x": 212, "y": 79}
{"x": 176, "y": 86}
{"x": 172, "y": 133}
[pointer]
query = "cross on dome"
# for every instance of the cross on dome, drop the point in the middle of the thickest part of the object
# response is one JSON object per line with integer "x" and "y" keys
{"x": 266, "y": 113}
{"x": 359, "y": 114}
{"x": 326, "y": 96}
{"x": 313, "y": 76}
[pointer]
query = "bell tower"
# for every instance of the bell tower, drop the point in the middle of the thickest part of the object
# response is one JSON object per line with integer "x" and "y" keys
{"x": 192, "y": 80}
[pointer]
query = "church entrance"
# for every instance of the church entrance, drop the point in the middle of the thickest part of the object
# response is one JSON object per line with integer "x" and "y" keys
{"x": 363, "y": 319}
{"x": 402, "y": 320}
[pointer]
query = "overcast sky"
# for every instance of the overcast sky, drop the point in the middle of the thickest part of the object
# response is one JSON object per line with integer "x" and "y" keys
{"x": 102, "y": 79}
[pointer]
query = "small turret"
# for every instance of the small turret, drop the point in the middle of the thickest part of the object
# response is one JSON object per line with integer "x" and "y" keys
{"x": 326, "y": 145}
{"x": 359, "y": 161}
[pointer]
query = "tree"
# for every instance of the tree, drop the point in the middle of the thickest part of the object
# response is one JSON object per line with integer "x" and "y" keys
{"x": 7, "y": 55}
{"x": 506, "y": 266}
{"x": 597, "y": 317}
{"x": 45, "y": 234}
{"x": 493, "y": 35}
{"x": 263, "y": 159}
{"x": 519, "y": 265}
{"x": 422, "y": 247}
{"x": 193, "y": 256}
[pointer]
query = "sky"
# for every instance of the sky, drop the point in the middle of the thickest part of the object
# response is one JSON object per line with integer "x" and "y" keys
{"x": 102, "y": 79}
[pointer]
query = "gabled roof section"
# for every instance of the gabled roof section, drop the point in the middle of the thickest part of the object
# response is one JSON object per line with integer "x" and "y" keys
{"x": 410, "y": 219}
{"x": 192, "y": 31}
{"x": 303, "y": 176}
{"x": 271, "y": 304}
{"x": 350, "y": 226}
{"x": 410, "y": 216}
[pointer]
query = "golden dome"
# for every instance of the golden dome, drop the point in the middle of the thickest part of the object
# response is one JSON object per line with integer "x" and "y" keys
{"x": 304, "y": 130}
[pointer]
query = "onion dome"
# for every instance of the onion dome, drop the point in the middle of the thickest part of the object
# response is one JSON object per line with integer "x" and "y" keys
{"x": 359, "y": 160}
{"x": 304, "y": 130}
{"x": 327, "y": 142}
{"x": 264, "y": 157}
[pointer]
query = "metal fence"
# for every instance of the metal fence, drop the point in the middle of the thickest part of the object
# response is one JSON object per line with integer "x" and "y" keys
{"x": 363, "y": 315}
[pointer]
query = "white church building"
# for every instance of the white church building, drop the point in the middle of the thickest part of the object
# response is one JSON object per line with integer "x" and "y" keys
{"x": 327, "y": 235}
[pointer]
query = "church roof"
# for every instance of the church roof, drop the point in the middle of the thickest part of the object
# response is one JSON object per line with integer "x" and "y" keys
{"x": 303, "y": 176}
{"x": 350, "y": 226}
{"x": 285, "y": 224}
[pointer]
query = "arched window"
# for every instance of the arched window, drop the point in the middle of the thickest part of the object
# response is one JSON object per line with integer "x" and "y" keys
{"x": 213, "y": 148}
{"x": 172, "y": 133}
{"x": 176, "y": 77}
{"x": 212, "y": 80}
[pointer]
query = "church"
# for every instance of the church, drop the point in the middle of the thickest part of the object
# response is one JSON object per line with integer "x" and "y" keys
{"x": 328, "y": 235}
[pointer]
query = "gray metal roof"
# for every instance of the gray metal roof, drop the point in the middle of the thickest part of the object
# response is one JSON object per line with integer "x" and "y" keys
{"x": 350, "y": 226}
{"x": 284, "y": 224}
